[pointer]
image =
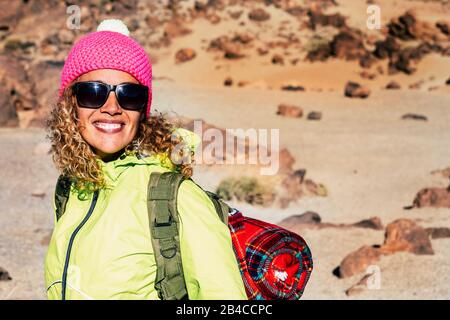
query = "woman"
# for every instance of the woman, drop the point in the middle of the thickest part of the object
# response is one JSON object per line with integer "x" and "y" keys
{"x": 107, "y": 144}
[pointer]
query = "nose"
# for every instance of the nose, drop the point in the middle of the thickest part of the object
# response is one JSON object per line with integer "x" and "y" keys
{"x": 111, "y": 105}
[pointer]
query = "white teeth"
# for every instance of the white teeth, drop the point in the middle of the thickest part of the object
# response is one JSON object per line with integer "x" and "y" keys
{"x": 108, "y": 126}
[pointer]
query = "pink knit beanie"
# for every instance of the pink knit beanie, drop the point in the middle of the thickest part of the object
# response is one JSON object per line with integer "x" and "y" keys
{"x": 109, "y": 47}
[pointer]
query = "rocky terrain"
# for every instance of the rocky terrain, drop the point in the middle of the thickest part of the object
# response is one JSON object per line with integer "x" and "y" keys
{"x": 363, "y": 116}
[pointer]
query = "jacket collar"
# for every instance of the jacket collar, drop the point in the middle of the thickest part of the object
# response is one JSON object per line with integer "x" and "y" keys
{"x": 113, "y": 169}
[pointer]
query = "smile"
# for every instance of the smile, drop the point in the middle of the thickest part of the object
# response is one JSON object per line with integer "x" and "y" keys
{"x": 108, "y": 127}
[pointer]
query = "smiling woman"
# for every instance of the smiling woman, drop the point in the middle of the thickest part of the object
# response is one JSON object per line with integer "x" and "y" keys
{"x": 107, "y": 145}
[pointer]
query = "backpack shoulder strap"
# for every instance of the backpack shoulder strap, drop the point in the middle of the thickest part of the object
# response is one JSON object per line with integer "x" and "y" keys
{"x": 164, "y": 229}
{"x": 62, "y": 192}
{"x": 222, "y": 208}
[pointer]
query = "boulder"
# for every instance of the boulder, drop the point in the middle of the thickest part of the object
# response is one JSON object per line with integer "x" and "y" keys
{"x": 4, "y": 275}
{"x": 175, "y": 28}
{"x": 358, "y": 261}
{"x": 292, "y": 87}
{"x": 406, "y": 235}
{"x": 372, "y": 223}
{"x": 393, "y": 85}
{"x": 403, "y": 27}
{"x": 348, "y": 45}
{"x": 278, "y": 59}
{"x": 291, "y": 111}
{"x": 258, "y": 15}
{"x": 287, "y": 161}
{"x": 444, "y": 27}
{"x": 230, "y": 49}
{"x": 314, "y": 115}
{"x": 438, "y": 233}
{"x": 432, "y": 197}
{"x": 309, "y": 217}
{"x": 386, "y": 48}
{"x": 45, "y": 88}
{"x": 16, "y": 91}
{"x": 414, "y": 116}
{"x": 184, "y": 55}
{"x": 228, "y": 82}
{"x": 316, "y": 17}
{"x": 355, "y": 90}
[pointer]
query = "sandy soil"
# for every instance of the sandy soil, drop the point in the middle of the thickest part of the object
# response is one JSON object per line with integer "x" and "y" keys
{"x": 371, "y": 162}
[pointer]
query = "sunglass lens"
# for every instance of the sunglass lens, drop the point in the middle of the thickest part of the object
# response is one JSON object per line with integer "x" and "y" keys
{"x": 91, "y": 94}
{"x": 132, "y": 96}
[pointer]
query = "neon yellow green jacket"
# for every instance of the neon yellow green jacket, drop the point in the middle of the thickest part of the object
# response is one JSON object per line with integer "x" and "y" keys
{"x": 111, "y": 254}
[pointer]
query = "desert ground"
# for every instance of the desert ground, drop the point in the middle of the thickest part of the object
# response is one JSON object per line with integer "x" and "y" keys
{"x": 370, "y": 158}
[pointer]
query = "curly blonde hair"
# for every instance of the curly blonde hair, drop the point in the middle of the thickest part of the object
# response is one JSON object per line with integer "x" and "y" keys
{"x": 75, "y": 158}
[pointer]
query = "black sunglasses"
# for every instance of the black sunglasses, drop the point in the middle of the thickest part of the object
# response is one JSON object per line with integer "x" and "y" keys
{"x": 93, "y": 94}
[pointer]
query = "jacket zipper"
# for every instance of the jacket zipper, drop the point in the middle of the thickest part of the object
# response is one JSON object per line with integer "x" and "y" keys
{"x": 72, "y": 238}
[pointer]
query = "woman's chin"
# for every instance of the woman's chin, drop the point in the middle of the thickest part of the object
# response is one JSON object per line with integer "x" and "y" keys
{"x": 108, "y": 154}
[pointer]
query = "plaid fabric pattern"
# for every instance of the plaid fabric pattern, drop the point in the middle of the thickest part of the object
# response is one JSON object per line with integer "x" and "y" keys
{"x": 274, "y": 262}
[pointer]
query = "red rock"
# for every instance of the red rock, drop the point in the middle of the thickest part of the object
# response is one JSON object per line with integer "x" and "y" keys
{"x": 386, "y": 48}
{"x": 228, "y": 82}
{"x": 290, "y": 111}
{"x": 348, "y": 45}
{"x": 358, "y": 261}
{"x": 355, "y": 90}
{"x": 286, "y": 160}
{"x": 321, "y": 53}
{"x": 295, "y": 11}
{"x": 292, "y": 87}
{"x": 308, "y": 217}
{"x": 444, "y": 26}
{"x": 262, "y": 51}
{"x": 45, "y": 95}
{"x": 4, "y": 275}
{"x": 393, "y": 85}
{"x": 259, "y": 15}
{"x": 372, "y": 223}
{"x": 16, "y": 91}
{"x": 231, "y": 51}
{"x": 403, "y": 26}
{"x": 175, "y": 28}
{"x": 200, "y": 5}
{"x": 416, "y": 85}
{"x": 438, "y": 233}
{"x": 184, "y": 55}
{"x": 243, "y": 38}
{"x": 278, "y": 59}
{"x": 414, "y": 116}
{"x": 314, "y": 115}
{"x": 432, "y": 197}
{"x": 213, "y": 18}
{"x": 406, "y": 235}
{"x": 366, "y": 61}
{"x": 235, "y": 14}
{"x": 367, "y": 75}
{"x": 316, "y": 17}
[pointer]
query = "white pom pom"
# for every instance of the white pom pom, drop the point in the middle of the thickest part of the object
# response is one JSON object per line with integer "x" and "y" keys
{"x": 115, "y": 25}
